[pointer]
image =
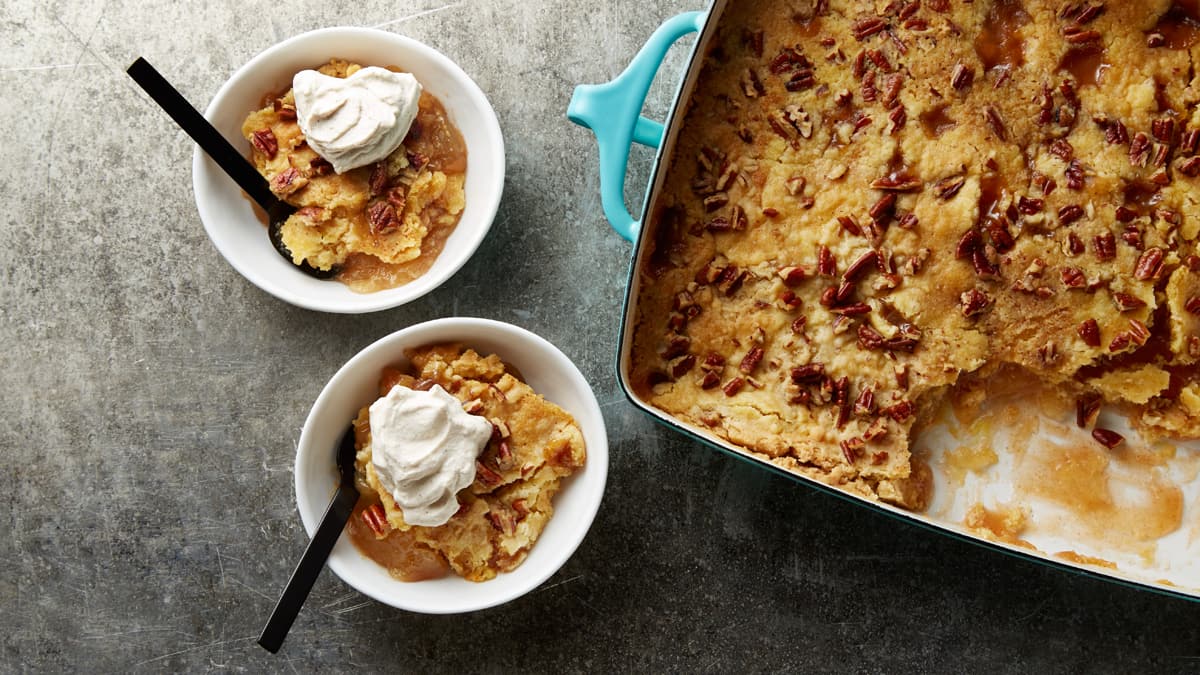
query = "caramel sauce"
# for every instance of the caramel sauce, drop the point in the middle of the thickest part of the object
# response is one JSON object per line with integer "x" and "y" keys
{"x": 1180, "y": 25}
{"x": 1078, "y": 478}
{"x": 435, "y": 136}
{"x": 1079, "y": 558}
{"x": 999, "y": 44}
{"x": 807, "y": 27}
{"x": 992, "y": 191}
{"x": 1142, "y": 196}
{"x": 366, "y": 274}
{"x": 1086, "y": 66}
{"x": 936, "y": 122}
{"x": 398, "y": 552}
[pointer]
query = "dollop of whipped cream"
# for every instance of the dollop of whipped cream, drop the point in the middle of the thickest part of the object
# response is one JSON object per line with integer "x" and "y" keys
{"x": 423, "y": 446}
{"x": 357, "y": 120}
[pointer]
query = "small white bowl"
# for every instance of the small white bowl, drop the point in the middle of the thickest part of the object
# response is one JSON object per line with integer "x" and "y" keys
{"x": 547, "y": 370}
{"x": 242, "y": 238}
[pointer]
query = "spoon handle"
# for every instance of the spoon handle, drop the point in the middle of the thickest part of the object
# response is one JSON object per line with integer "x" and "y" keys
{"x": 206, "y": 136}
{"x": 311, "y": 563}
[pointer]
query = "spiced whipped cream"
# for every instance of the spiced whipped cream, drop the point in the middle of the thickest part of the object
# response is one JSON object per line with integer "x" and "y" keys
{"x": 424, "y": 447}
{"x": 356, "y": 120}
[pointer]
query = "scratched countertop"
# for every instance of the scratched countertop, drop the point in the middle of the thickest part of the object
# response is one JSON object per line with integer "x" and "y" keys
{"x": 152, "y": 401}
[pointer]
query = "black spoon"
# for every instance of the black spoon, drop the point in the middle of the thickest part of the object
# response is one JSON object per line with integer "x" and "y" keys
{"x": 306, "y": 572}
{"x": 223, "y": 153}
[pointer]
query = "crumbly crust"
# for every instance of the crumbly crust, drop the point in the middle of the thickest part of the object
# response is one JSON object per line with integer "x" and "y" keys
{"x": 870, "y": 199}
{"x": 536, "y": 445}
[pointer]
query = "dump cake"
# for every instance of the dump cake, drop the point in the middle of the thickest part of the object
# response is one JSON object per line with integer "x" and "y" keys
{"x": 377, "y": 226}
{"x": 533, "y": 445}
{"x": 871, "y": 203}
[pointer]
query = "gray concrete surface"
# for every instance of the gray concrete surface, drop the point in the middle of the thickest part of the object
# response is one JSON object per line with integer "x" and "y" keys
{"x": 152, "y": 401}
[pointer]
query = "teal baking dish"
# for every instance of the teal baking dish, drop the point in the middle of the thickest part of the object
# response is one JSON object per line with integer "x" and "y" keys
{"x": 613, "y": 112}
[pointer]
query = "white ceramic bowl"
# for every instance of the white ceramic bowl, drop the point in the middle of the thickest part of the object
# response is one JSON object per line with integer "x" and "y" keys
{"x": 242, "y": 239}
{"x": 356, "y": 384}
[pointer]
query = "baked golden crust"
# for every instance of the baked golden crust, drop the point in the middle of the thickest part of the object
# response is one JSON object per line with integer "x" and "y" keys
{"x": 536, "y": 445}
{"x": 868, "y": 200}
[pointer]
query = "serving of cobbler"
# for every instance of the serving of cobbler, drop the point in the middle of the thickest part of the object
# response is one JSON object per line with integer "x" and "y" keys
{"x": 535, "y": 446}
{"x": 376, "y": 226}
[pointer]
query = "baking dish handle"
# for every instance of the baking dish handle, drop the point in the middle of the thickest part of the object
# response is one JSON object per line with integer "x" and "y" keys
{"x": 613, "y": 112}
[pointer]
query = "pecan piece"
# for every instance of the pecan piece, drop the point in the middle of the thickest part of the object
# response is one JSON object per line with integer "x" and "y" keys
{"x": 379, "y": 178}
{"x": 751, "y": 360}
{"x": 1070, "y": 213}
{"x": 1108, "y": 438}
{"x": 375, "y": 519}
{"x": 974, "y": 302}
{"x": 732, "y": 387}
{"x": 865, "y": 28}
{"x": 826, "y": 263}
{"x": 1149, "y": 264}
{"x": 947, "y": 187}
{"x": 288, "y": 182}
{"x": 1089, "y": 332}
{"x": 1126, "y": 302}
{"x": 1087, "y": 409}
{"x": 897, "y": 182}
{"x": 1105, "y": 246}
{"x": 962, "y": 76}
{"x": 382, "y": 219}
{"x": 264, "y": 141}
{"x": 861, "y": 265}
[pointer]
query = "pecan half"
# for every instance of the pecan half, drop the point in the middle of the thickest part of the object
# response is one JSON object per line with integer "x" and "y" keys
{"x": 1149, "y": 264}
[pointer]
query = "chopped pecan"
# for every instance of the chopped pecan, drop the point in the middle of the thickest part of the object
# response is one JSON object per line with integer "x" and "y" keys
{"x": 1070, "y": 213}
{"x": 865, "y": 28}
{"x": 869, "y": 338}
{"x": 1105, "y": 246}
{"x": 1072, "y": 277}
{"x": 1089, "y": 332}
{"x": 863, "y": 263}
{"x": 897, "y": 182}
{"x": 968, "y": 244}
{"x": 974, "y": 302}
{"x": 264, "y": 141}
{"x": 962, "y": 76}
{"x": 381, "y": 217}
{"x": 947, "y": 187}
{"x": 900, "y": 411}
{"x": 734, "y": 386}
{"x": 1075, "y": 175}
{"x": 379, "y": 178}
{"x": 826, "y": 263}
{"x": 1190, "y": 167}
{"x": 751, "y": 360}
{"x": 1108, "y": 438}
{"x": 376, "y": 519}
{"x": 996, "y": 122}
{"x": 1126, "y": 302}
{"x": 1149, "y": 264}
{"x": 287, "y": 182}
{"x": 1087, "y": 409}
